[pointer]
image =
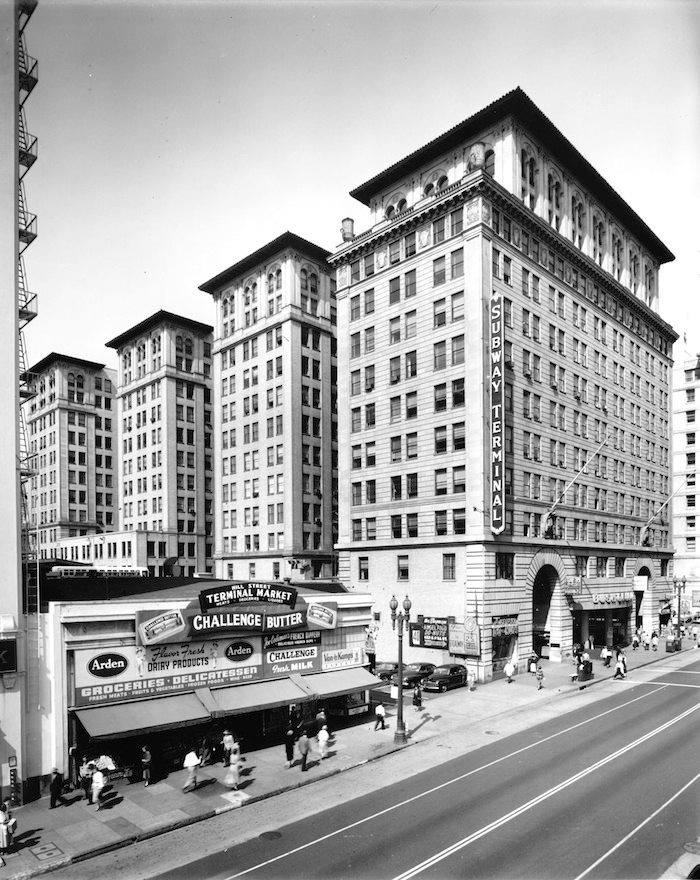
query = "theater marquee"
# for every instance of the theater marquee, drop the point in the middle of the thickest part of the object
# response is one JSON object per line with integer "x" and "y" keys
{"x": 497, "y": 421}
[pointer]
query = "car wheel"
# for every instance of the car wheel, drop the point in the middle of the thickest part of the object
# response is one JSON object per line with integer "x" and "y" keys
{"x": 442, "y": 688}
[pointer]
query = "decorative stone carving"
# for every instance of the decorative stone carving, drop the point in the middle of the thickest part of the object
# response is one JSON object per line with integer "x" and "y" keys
{"x": 342, "y": 276}
{"x": 477, "y": 156}
{"x": 516, "y": 236}
{"x": 381, "y": 259}
{"x": 423, "y": 238}
{"x": 473, "y": 211}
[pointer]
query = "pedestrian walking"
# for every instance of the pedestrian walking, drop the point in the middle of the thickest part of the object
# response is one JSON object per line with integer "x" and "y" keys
{"x": 417, "y": 697}
{"x": 379, "y": 714}
{"x": 509, "y": 670}
{"x": 304, "y": 746}
{"x": 539, "y": 678}
{"x": 205, "y": 753}
{"x": 56, "y": 789}
{"x": 233, "y": 772}
{"x": 322, "y": 738}
{"x": 289, "y": 739}
{"x": 146, "y": 765}
{"x": 98, "y": 783}
{"x": 227, "y": 742}
{"x": 321, "y": 719}
{"x": 8, "y": 826}
{"x": 190, "y": 764}
{"x": 655, "y": 642}
{"x": 85, "y": 774}
{"x": 646, "y": 638}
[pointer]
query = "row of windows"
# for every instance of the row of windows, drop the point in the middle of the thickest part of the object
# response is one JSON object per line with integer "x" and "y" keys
{"x": 449, "y": 567}
{"x": 532, "y": 248}
{"x": 440, "y": 522}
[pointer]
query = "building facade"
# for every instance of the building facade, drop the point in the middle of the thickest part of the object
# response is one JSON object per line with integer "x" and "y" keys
{"x": 275, "y": 446}
{"x": 505, "y": 379}
{"x": 686, "y": 397}
{"x": 164, "y": 440}
{"x": 71, "y": 423}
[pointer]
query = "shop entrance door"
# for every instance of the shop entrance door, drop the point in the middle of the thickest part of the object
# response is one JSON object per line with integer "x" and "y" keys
{"x": 542, "y": 592}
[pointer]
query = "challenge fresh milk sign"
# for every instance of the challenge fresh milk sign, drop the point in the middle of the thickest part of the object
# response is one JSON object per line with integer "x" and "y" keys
{"x": 497, "y": 420}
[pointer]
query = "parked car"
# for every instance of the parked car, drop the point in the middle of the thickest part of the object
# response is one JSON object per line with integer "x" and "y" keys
{"x": 414, "y": 673}
{"x": 386, "y": 670}
{"x": 448, "y": 676}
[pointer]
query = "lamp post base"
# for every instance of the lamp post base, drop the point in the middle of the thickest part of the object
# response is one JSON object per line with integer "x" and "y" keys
{"x": 400, "y": 736}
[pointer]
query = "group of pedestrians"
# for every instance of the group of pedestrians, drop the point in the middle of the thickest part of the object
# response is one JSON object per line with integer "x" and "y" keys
{"x": 648, "y": 640}
{"x": 301, "y": 735}
{"x": 200, "y": 756}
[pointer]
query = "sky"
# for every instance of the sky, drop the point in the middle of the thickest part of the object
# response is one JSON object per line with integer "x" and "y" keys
{"x": 178, "y": 136}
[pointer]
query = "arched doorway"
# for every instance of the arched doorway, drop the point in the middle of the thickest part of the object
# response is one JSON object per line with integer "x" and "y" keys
{"x": 641, "y": 582}
{"x": 542, "y": 592}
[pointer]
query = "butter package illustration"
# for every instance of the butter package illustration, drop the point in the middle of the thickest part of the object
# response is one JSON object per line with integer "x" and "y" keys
{"x": 164, "y": 626}
{"x": 320, "y": 615}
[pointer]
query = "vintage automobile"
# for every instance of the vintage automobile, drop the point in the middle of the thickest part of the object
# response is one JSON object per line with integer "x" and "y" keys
{"x": 414, "y": 673}
{"x": 386, "y": 670}
{"x": 448, "y": 676}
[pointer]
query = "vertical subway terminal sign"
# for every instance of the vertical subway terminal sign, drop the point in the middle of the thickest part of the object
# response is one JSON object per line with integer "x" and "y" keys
{"x": 497, "y": 421}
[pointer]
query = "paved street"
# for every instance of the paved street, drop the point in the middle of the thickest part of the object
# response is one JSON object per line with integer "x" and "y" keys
{"x": 459, "y": 725}
{"x": 600, "y": 792}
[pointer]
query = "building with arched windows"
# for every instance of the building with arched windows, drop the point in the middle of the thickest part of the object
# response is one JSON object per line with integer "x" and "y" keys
{"x": 71, "y": 424}
{"x": 505, "y": 398}
{"x": 163, "y": 439}
{"x": 275, "y": 445}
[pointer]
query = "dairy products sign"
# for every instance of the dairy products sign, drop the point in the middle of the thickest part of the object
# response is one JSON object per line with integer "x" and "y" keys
{"x": 136, "y": 672}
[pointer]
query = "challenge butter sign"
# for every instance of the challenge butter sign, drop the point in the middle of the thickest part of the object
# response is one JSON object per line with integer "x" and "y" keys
{"x": 497, "y": 369}
{"x": 245, "y": 593}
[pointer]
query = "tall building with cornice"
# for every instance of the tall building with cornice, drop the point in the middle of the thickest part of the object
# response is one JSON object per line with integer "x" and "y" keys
{"x": 71, "y": 424}
{"x": 504, "y": 379}
{"x": 275, "y": 444}
{"x": 164, "y": 434}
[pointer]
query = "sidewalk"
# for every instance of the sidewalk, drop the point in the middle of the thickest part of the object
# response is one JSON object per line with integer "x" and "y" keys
{"x": 48, "y": 839}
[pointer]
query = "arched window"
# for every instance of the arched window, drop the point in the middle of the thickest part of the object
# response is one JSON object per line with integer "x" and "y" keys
{"x": 617, "y": 255}
{"x": 598, "y": 240}
{"x": 429, "y": 189}
{"x": 79, "y": 386}
{"x": 649, "y": 284}
{"x": 634, "y": 272}
{"x": 553, "y": 201}
{"x": 389, "y": 213}
{"x": 313, "y": 283}
{"x": 577, "y": 221}
{"x": 304, "y": 277}
{"x": 490, "y": 162}
{"x": 224, "y": 307}
{"x": 401, "y": 205}
{"x": 528, "y": 179}
{"x": 71, "y": 384}
{"x": 270, "y": 283}
{"x": 278, "y": 279}
{"x": 179, "y": 345}
{"x": 442, "y": 182}
{"x": 188, "y": 346}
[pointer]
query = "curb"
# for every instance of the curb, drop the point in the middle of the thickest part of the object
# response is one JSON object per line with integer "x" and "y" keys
{"x": 391, "y": 748}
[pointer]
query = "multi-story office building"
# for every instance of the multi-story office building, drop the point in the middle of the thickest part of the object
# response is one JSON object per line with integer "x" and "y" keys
{"x": 686, "y": 400}
{"x": 164, "y": 440}
{"x": 505, "y": 389}
{"x": 71, "y": 427}
{"x": 275, "y": 416}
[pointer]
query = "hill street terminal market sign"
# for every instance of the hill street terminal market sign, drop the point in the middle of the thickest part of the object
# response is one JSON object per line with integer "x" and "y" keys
{"x": 245, "y": 593}
{"x": 176, "y": 625}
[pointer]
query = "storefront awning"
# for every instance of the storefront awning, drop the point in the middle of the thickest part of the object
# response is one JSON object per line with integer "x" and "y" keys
{"x": 257, "y": 695}
{"x": 125, "y": 719}
{"x": 342, "y": 681}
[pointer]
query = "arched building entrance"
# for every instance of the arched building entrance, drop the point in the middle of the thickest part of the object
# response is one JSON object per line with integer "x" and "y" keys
{"x": 542, "y": 593}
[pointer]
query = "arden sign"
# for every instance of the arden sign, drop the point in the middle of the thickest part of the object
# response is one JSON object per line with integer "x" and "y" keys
{"x": 497, "y": 421}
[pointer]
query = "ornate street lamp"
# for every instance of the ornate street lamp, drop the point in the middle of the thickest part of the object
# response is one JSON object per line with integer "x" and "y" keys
{"x": 402, "y": 617}
{"x": 678, "y": 587}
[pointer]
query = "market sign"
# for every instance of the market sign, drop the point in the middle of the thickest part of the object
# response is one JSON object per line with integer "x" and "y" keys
{"x": 163, "y": 669}
{"x": 506, "y": 625}
{"x": 176, "y": 625}
{"x": 612, "y": 598}
{"x": 430, "y": 632}
{"x": 245, "y": 593}
{"x": 497, "y": 419}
